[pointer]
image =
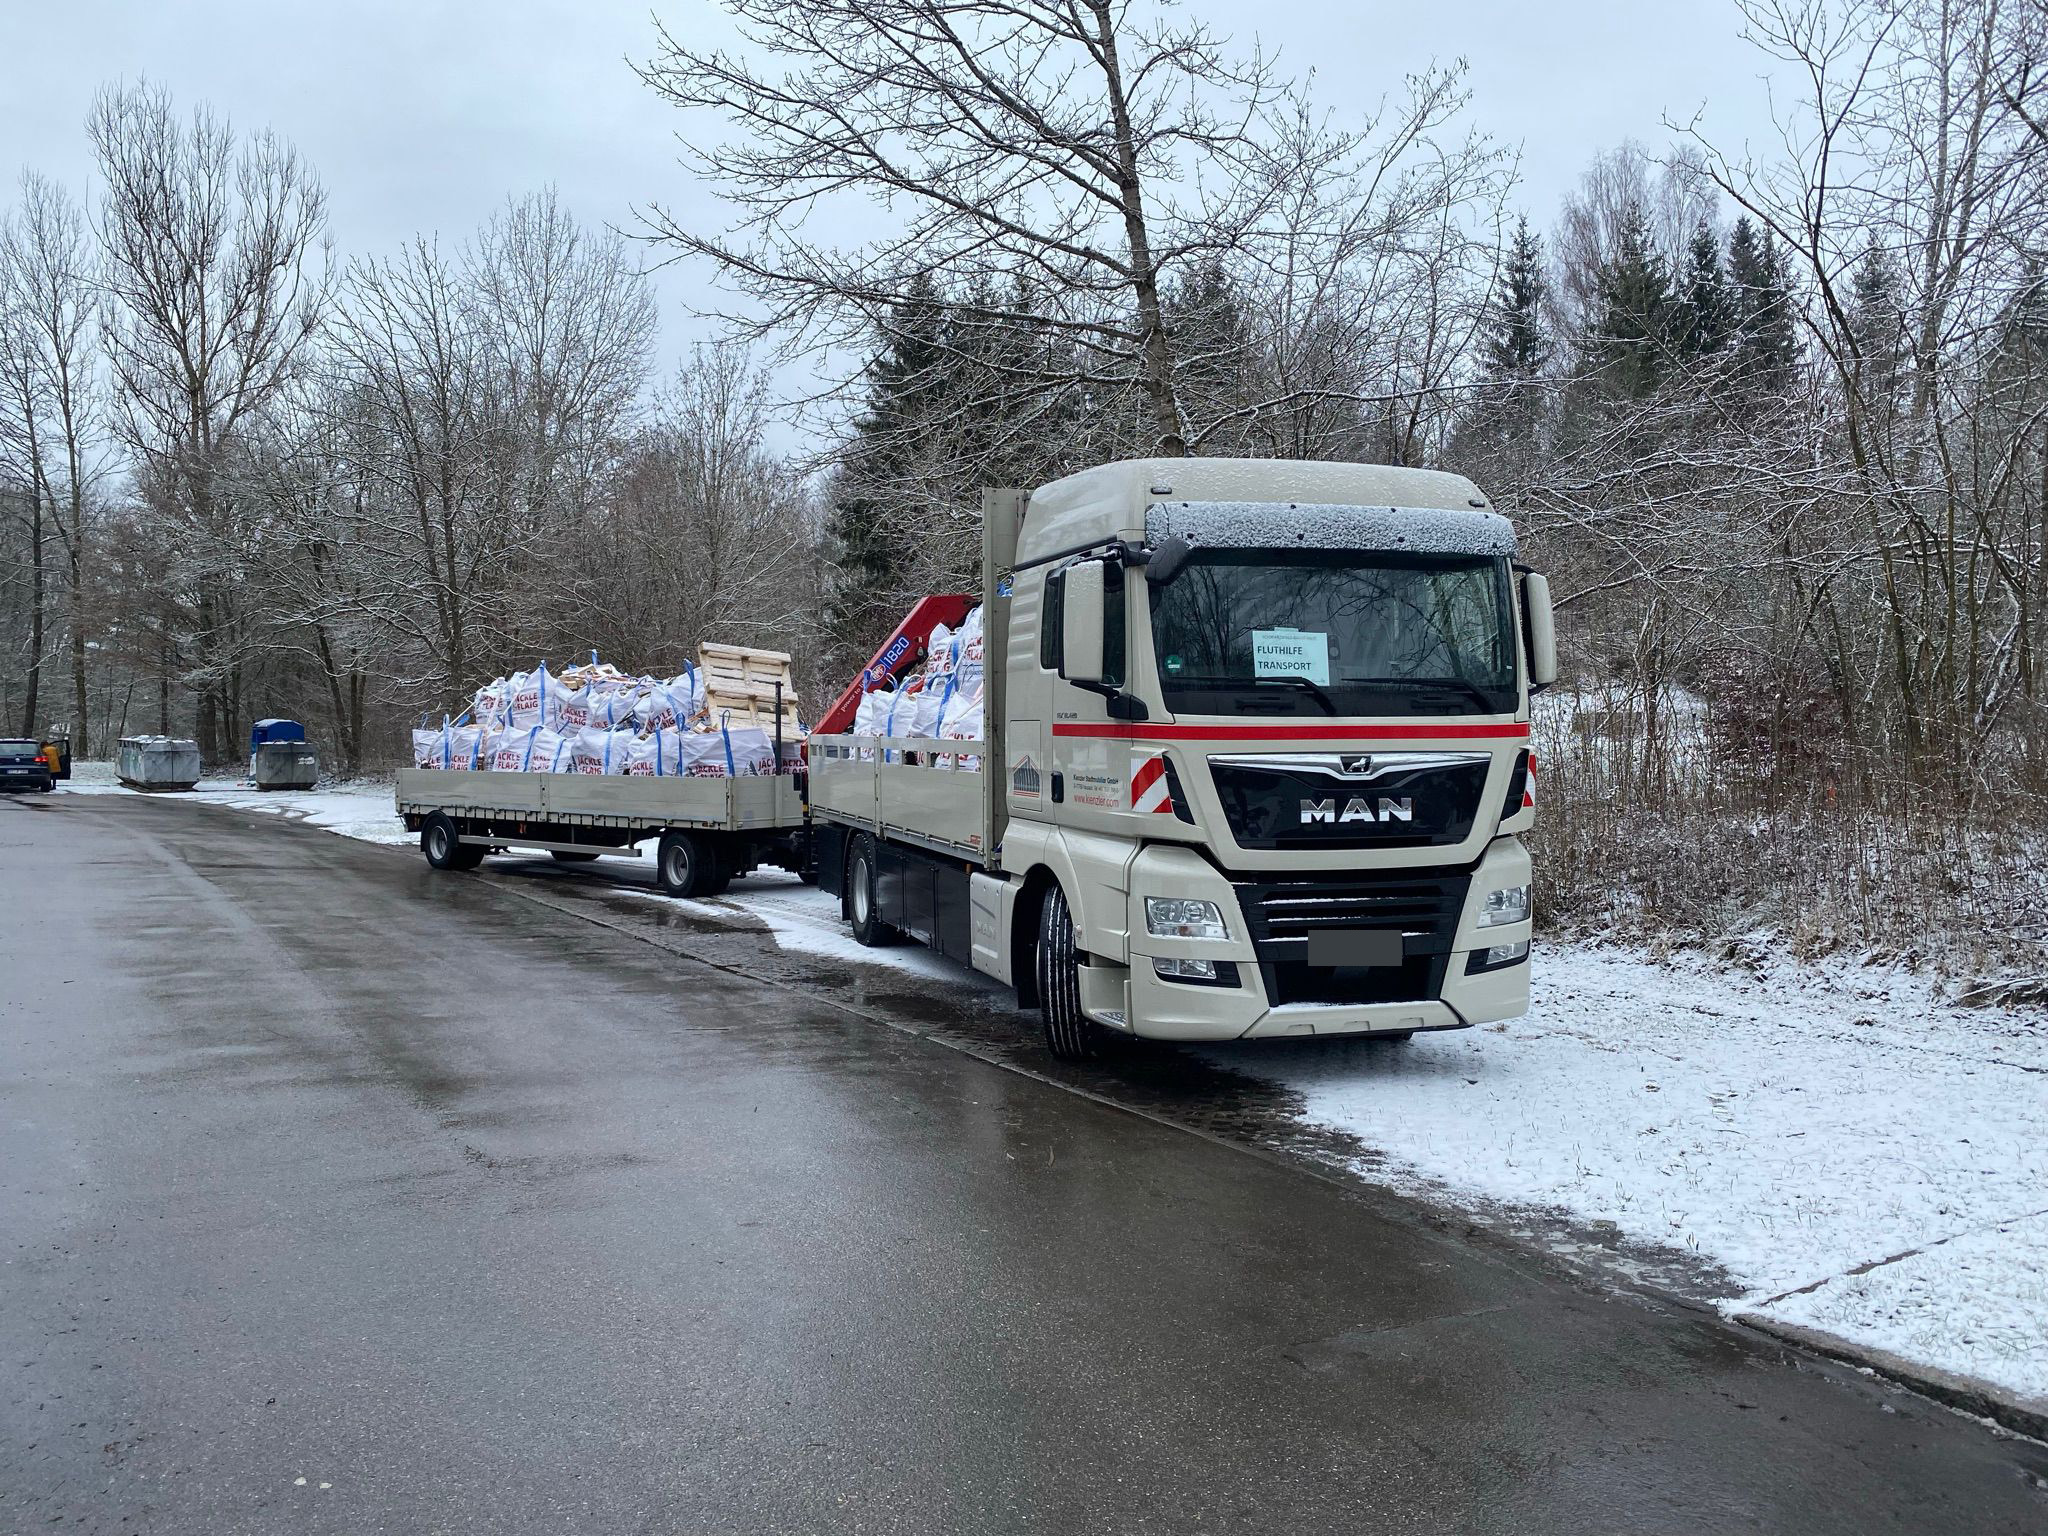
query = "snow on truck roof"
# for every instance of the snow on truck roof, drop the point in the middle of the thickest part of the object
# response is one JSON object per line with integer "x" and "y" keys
{"x": 1233, "y": 501}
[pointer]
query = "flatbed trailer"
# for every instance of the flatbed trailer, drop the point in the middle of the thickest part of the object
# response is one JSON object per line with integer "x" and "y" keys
{"x": 711, "y": 829}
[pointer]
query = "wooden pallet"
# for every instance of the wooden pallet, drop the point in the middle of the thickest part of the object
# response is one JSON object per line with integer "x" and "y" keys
{"x": 740, "y": 682}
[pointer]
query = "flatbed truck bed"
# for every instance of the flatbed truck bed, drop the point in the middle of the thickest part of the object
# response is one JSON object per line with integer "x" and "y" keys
{"x": 711, "y": 829}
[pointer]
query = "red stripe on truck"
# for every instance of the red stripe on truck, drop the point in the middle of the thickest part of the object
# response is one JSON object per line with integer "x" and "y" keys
{"x": 1510, "y": 732}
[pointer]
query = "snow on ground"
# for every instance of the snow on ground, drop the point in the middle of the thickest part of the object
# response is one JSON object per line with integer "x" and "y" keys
{"x": 361, "y": 809}
{"x": 1854, "y": 1153}
{"x": 1789, "y": 1127}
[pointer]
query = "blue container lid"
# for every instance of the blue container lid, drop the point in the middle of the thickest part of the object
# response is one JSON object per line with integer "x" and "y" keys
{"x": 275, "y": 730}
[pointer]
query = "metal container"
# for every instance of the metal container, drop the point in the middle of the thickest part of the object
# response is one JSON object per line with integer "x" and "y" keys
{"x": 158, "y": 762}
{"x": 284, "y": 765}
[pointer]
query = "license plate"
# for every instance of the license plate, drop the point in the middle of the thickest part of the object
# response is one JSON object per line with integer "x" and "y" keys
{"x": 1355, "y": 946}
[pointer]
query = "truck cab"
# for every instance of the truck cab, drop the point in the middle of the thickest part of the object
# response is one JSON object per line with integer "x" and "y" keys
{"x": 1258, "y": 758}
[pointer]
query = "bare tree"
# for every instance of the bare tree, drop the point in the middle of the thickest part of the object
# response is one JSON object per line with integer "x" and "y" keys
{"x": 216, "y": 280}
{"x": 1086, "y": 150}
{"x": 51, "y": 420}
{"x": 483, "y": 397}
{"x": 1907, "y": 150}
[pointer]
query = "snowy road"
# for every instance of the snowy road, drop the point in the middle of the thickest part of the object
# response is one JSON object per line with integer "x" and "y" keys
{"x": 1836, "y": 1148}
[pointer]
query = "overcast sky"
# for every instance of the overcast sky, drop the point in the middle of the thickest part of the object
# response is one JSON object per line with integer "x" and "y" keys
{"x": 423, "y": 115}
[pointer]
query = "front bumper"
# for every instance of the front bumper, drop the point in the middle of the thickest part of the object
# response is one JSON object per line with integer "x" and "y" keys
{"x": 1278, "y": 994}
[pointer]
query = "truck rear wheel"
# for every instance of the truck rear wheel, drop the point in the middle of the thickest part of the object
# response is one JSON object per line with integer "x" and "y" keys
{"x": 444, "y": 847}
{"x": 1069, "y": 1033}
{"x": 863, "y": 904}
{"x": 686, "y": 864}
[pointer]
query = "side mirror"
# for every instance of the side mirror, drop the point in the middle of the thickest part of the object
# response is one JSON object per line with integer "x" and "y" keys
{"x": 1081, "y": 622}
{"x": 1539, "y": 631}
{"x": 1169, "y": 557}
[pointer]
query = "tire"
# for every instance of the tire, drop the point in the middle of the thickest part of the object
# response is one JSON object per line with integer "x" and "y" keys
{"x": 1069, "y": 1033}
{"x": 563, "y": 856}
{"x": 443, "y": 845}
{"x": 685, "y": 864}
{"x": 863, "y": 898}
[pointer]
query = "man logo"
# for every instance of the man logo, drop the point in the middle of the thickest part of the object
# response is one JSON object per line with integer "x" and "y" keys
{"x": 1357, "y": 764}
{"x": 1357, "y": 809}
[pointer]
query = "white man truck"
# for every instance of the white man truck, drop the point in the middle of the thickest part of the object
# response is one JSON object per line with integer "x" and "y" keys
{"x": 1256, "y": 760}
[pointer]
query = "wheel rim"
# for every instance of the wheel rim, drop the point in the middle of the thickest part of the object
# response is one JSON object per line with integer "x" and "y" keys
{"x": 438, "y": 842}
{"x": 862, "y": 900}
{"x": 678, "y": 865}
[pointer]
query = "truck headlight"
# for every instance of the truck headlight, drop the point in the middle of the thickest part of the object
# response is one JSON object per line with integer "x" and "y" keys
{"x": 1509, "y": 904}
{"x": 1179, "y": 917}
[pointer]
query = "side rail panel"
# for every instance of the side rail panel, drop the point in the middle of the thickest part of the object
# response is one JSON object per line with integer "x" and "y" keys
{"x": 901, "y": 787}
{"x": 763, "y": 803}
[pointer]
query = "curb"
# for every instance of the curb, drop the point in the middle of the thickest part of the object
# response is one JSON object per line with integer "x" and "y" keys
{"x": 2008, "y": 1410}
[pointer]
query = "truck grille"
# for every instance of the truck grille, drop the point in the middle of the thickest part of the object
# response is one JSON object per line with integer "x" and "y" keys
{"x": 1425, "y": 909}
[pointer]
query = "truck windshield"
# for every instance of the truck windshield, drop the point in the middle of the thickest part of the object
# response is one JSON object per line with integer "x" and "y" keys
{"x": 1336, "y": 632}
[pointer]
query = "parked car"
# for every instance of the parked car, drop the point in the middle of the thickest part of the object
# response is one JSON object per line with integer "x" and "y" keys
{"x": 25, "y": 765}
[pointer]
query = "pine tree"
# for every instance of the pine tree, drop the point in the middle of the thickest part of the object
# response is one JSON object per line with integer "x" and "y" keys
{"x": 1766, "y": 345}
{"x": 1706, "y": 311}
{"x": 1517, "y": 343}
{"x": 1213, "y": 346}
{"x": 906, "y": 383}
{"x": 1874, "y": 326}
{"x": 1636, "y": 312}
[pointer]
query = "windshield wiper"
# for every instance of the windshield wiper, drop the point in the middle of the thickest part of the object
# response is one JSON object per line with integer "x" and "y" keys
{"x": 1210, "y": 680}
{"x": 1306, "y": 685}
{"x": 1471, "y": 690}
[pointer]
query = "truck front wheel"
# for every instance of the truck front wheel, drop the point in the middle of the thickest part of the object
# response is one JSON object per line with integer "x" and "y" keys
{"x": 863, "y": 905}
{"x": 1069, "y": 1033}
{"x": 686, "y": 865}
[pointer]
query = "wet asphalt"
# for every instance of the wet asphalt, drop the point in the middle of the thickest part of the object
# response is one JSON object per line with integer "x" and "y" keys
{"x": 341, "y": 1196}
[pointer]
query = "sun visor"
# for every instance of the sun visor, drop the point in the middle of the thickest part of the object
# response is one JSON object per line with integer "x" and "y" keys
{"x": 1309, "y": 525}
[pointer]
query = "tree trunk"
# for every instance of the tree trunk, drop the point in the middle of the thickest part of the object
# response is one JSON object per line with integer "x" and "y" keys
{"x": 35, "y": 621}
{"x": 1156, "y": 371}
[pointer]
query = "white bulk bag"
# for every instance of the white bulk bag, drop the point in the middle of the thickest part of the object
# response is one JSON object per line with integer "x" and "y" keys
{"x": 537, "y": 699}
{"x": 963, "y": 718}
{"x": 920, "y": 714}
{"x": 491, "y": 702}
{"x": 655, "y": 753}
{"x": 867, "y": 718}
{"x": 534, "y": 750}
{"x": 574, "y": 713}
{"x": 752, "y": 750}
{"x": 969, "y": 638}
{"x": 599, "y": 749}
{"x": 669, "y": 703}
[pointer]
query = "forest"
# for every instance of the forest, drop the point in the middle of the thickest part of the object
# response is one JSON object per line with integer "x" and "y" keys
{"x": 1774, "y": 421}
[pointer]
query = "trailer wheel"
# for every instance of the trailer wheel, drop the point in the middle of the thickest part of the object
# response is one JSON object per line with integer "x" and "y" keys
{"x": 1069, "y": 1033}
{"x": 686, "y": 864}
{"x": 863, "y": 903}
{"x": 444, "y": 847}
{"x": 564, "y": 856}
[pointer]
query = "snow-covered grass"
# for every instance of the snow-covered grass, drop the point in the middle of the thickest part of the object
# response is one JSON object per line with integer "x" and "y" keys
{"x": 1846, "y": 1147}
